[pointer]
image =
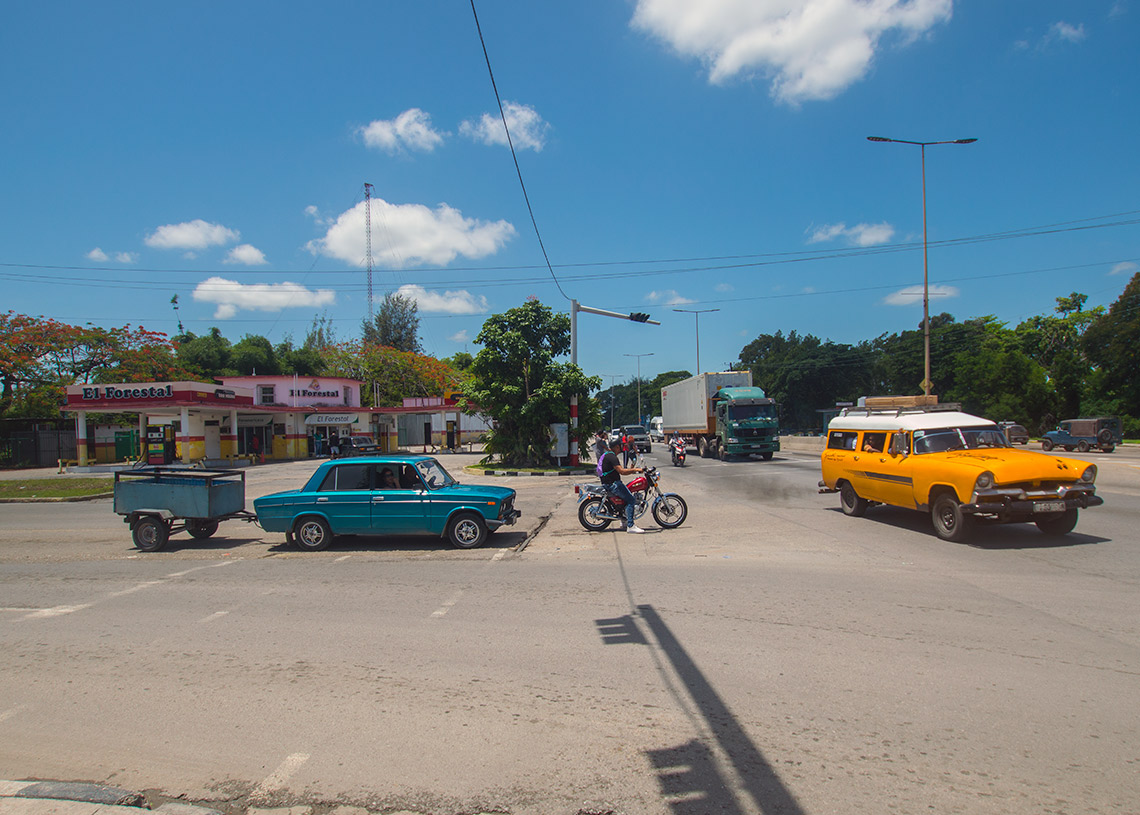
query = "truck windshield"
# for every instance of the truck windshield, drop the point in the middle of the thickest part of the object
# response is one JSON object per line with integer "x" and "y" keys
{"x": 740, "y": 412}
{"x": 958, "y": 438}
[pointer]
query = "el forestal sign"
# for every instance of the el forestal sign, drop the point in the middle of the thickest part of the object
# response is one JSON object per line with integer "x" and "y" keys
{"x": 114, "y": 392}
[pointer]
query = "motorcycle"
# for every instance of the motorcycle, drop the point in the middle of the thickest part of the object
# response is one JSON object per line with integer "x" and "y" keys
{"x": 677, "y": 447}
{"x": 597, "y": 509}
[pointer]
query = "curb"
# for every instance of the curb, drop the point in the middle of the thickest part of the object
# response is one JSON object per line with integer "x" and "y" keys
{"x": 67, "y": 499}
{"x": 99, "y": 795}
{"x": 513, "y": 473}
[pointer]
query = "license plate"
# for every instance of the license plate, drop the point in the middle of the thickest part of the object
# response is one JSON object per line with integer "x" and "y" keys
{"x": 1049, "y": 506}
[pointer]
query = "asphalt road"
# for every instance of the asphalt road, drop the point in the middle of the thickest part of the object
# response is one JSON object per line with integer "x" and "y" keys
{"x": 772, "y": 655}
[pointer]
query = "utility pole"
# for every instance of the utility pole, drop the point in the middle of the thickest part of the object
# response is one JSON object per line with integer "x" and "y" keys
{"x": 368, "y": 240}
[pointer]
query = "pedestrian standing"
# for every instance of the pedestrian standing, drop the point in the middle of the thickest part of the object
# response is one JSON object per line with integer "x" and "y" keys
{"x": 626, "y": 449}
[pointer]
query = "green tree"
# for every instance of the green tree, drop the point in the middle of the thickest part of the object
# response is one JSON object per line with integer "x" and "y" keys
{"x": 517, "y": 381}
{"x": 208, "y": 356}
{"x": 1054, "y": 342}
{"x": 254, "y": 355}
{"x": 1110, "y": 343}
{"x": 395, "y": 325}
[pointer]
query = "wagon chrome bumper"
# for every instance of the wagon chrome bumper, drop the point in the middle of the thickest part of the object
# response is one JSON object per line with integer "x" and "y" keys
{"x": 1026, "y": 503}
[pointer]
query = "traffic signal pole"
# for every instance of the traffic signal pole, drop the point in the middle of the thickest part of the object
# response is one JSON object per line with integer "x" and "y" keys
{"x": 575, "y": 307}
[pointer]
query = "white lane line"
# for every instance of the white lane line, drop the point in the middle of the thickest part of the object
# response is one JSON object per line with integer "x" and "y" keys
{"x": 446, "y": 607}
{"x": 342, "y": 558}
{"x": 213, "y": 616}
{"x": 12, "y": 711}
{"x": 56, "y": 611}
{"x": 279, "y": 777}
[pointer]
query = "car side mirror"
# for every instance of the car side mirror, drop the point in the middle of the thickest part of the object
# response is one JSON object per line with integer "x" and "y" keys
{"x": 898, "y": 445}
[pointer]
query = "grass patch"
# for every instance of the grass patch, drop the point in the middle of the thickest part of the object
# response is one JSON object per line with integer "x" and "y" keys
{"x": 55, "y": 487}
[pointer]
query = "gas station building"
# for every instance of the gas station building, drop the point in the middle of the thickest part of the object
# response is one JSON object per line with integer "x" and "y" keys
{"x": 278, "y": 417}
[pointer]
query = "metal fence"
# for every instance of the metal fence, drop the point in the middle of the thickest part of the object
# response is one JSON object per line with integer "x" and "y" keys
{"x": 28, "y": 443}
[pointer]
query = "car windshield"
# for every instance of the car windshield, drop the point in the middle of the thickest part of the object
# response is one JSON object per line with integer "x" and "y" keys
{"x": 740, "y": 412}
{"x": 634, "y": 430}
{"x": 942, "y": 439}
{"x": 433, "y": 474}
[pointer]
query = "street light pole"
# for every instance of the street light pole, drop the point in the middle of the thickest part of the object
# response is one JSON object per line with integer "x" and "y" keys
{"x": 697, "y": 321}
{"x": 639, "y": 356}
{"x": 926, "y": 383}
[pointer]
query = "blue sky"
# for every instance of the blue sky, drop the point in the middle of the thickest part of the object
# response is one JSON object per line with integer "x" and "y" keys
{"x": 713, "y": 158}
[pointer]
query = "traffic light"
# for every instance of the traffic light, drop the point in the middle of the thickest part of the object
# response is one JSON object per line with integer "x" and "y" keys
{"x": 638, "y": 316}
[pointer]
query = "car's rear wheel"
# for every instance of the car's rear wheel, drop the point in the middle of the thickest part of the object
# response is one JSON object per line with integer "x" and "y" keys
{"x": 312, "y": 534}
{"x": 1107, "y": 448}
{"x": 1046, "y": 445}
{"x": 1082, "y": 446}
{"x": 1104, "y": 437}
{"x": 950, "y": 523}
{"x": 850, "y": 501}
{"x": 467, "y": 531}
{"x": 1061, "y": 524}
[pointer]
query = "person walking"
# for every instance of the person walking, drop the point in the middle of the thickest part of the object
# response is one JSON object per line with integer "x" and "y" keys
{"x": 610, "y": 472}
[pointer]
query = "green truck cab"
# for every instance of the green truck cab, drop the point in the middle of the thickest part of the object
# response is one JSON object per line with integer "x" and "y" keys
{"x": 746, "y": 423}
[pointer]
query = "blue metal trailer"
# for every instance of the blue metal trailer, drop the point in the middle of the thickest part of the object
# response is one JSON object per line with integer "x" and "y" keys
{"x": 158, "y": 501}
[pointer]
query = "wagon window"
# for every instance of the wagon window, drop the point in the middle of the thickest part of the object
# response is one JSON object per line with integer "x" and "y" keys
{"x": 842, "y": 440}
{"x": 874, "y": 442}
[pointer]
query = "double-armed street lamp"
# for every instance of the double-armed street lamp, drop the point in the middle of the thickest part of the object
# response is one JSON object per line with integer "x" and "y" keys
{"x": 926, "y": 383}
{"x": 697, "y": 320}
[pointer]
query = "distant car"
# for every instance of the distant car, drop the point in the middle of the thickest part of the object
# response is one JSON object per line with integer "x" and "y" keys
{"x": 386, "y": 495}
{"x": 1082, "y": 434}
{"x": 615, "y": 435}
{"x": 639, "y": 435}
{"x": 362, "y": 446}
{"x": 1015, "y": 432}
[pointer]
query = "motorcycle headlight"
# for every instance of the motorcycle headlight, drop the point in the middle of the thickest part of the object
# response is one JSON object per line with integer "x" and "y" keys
{"x": 1089, "y": 475}
{"x": 985, "y": 481}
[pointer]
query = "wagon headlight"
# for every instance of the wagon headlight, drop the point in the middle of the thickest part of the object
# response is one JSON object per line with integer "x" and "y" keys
{"x": 985, "y": 481}
{"x": 1089, "y": 475}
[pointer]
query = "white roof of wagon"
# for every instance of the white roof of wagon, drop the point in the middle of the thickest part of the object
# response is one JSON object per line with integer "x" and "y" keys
{"x": 860, "y": 419}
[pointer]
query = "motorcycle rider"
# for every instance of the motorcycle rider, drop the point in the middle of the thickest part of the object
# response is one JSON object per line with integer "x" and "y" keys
{"x": 611, "y": 471}
{"x": 676, "y": 446}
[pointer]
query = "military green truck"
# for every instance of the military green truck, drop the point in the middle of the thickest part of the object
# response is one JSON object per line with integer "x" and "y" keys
{"x": 722, "y": 415}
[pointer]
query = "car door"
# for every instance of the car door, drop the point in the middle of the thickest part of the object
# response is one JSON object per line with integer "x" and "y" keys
{"x": 344, "y": 497}
{"x": 402, "y": 509}
{"x": 889, "y": 472}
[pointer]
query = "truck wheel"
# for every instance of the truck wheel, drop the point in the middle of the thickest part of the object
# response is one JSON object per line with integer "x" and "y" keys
{"x": 1046, "y": 445}
{"x": 766, "y": 456}
{"x": 722, "y": 453}
{"x": 1082, "y": 446}
{"x": 950, "y": 523}
{"x": 850, "y": 502}
{"x": 1057, "y": 525}
{"x": 150, "y": 534}
{"x": 703, "y": 447}
{"x": 201, "y": 529}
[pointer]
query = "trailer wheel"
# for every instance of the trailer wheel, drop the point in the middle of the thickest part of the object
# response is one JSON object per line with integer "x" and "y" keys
{"x": 150, "y": 534}
{"x": 201, "y": 529}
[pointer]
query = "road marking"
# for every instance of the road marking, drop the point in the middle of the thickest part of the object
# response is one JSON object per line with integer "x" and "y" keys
{"x": 12, "y": 711}
{"x": 57, "y": 611}
{"x": 342, "y": 558}
{"x": 446, "y": 607}
{"x": 214, "y": 616}
{"x": 278, "y": 778}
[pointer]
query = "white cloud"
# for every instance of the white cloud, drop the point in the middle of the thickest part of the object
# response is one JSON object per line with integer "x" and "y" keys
{"x": 812, "y": 49}
{"x": 448, "y": 302}
{"x": 858, "y": 235}
{"x": 411, "y": 130}
{"x": 410, "y": 234}
{"x": 668, "y": 297}
{"x": 1127, "y": 267}
{"x": 912, "y": 295}
{"x": 192, "y": 235}
{"x": 1066, "y": 32}
{"x": 230, "y": 296}
{"x": 126, "y": 257}
{"x": 98, "y": 255}
{"x": 460, "y": 336}
{"x": 724, "y": 287}
{"x": 246, "y": 255}
{"x": 528, "y": 128}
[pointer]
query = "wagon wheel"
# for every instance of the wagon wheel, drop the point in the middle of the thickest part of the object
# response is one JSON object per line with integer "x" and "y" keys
{"x": 201, "y": 529}
{"x": 150, "y": 534}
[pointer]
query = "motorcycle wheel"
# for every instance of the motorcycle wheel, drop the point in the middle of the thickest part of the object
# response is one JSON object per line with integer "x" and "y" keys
{"x": 588, "y": 514}
{"x": 670, "y": 511}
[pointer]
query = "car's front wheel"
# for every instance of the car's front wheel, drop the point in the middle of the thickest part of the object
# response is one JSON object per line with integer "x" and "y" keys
{"x": 312, "y": 534}
{"x": 1057, "y": 525}
{"x": 467, "y": 531}
{"x": 950, "y": 522}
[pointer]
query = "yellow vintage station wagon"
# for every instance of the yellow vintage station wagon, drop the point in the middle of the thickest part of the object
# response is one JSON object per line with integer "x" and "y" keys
{"x": 959, "y": 468}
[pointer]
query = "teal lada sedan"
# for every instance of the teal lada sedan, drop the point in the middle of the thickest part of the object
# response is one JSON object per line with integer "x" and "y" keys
{"x": 386, "y": 495}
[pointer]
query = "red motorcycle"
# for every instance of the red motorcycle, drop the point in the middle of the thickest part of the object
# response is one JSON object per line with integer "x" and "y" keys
{"x": 597, "y": 508}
